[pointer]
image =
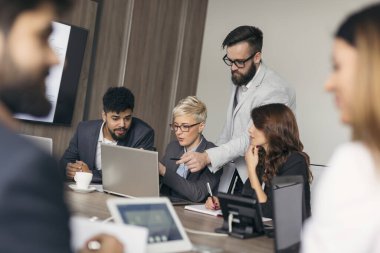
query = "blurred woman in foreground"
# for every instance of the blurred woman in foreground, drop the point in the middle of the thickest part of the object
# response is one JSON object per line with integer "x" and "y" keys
{"x": 347, "y": 202}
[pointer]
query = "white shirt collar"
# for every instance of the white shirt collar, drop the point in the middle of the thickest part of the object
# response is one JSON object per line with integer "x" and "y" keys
{"x": 103, "y": 139}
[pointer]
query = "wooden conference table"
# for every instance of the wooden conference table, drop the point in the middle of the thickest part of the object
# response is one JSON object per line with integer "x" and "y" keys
{"x": 94, "y": 204}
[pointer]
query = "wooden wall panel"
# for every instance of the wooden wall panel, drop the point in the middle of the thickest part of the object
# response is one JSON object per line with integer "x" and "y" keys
{"x": 192, "y": 46}
{"x": 83, "y": 15}
{"x": 152, "y": 61}
{"x": 190, "y": 53}
{"x": 110, "y": 53}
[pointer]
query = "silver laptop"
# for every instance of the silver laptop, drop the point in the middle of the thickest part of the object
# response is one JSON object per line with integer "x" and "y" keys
{"x": 42, "y": 142}
{"x": 129, "y": 172}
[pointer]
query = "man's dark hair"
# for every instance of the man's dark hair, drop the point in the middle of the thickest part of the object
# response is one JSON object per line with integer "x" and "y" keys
{"x": 118, "y": 99}
{"x": 250, "y": 34}
{"x": 10, "y": 9}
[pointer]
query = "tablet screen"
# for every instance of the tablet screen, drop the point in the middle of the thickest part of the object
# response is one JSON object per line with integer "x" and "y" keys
{"x": 155, "y": 217}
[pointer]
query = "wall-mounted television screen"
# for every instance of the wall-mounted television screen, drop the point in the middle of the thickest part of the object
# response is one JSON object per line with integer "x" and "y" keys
{"x": 69, "y": 43}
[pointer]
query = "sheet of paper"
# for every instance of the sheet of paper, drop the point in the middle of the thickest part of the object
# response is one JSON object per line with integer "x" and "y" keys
{"x": 202, "y": 209}
{"x": 82, "y": 229}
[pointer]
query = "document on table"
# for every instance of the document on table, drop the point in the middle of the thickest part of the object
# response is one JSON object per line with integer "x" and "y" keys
{"x": 202, "y": 209}
{"x": 133, "y": 238}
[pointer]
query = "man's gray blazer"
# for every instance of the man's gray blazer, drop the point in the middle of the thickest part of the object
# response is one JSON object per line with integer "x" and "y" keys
{"x": 266, "y": 88}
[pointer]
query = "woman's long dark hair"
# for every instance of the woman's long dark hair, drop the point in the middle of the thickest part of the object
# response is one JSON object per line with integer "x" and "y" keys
{"x": 280, "y": 128}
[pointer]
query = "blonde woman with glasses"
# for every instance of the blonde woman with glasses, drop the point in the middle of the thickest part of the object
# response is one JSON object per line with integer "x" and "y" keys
{"x": 346, "y": 211}
{"x": 178, "y": 183}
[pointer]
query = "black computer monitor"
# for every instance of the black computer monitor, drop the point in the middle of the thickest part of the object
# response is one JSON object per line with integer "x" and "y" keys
{"x": 242, "y": 216}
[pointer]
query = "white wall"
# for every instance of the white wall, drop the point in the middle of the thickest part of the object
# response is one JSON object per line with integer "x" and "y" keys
{"x": 298, "y": 37}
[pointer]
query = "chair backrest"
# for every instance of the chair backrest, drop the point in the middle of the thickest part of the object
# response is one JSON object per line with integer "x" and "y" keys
{"x": 228, "y": 177}
{"x": 42, "y": 142}
{"x": 288, "y": 212}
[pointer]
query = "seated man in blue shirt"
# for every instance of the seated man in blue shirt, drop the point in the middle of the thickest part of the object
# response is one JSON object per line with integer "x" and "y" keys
{"x": 118, "y": 127}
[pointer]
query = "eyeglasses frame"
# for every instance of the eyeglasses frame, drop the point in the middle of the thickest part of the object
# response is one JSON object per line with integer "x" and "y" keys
{"x": 225, "y": 58}
{"x": 175, "y": 128}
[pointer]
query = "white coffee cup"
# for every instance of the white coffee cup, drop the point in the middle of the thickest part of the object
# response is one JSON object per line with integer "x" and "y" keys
{"x": 83, "y": 180}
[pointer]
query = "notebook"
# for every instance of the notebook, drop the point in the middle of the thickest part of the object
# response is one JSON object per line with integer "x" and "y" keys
{"x": 129, "y": 172}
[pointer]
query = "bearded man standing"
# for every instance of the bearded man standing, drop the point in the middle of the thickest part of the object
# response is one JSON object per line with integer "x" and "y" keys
{"x": 254, "y": 84}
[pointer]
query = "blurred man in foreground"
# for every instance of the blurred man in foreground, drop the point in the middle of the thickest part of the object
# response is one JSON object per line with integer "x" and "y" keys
{"x": 33, "y": 215}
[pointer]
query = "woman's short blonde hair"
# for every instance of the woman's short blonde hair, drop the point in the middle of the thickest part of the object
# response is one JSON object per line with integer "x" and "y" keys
{"x": 191, "y": 106}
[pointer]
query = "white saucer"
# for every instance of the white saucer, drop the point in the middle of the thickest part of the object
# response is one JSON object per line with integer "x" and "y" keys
{"x": 89, "y": 189}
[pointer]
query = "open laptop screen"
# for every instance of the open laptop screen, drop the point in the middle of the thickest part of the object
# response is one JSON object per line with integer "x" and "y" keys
{"x": 129, "y": 172}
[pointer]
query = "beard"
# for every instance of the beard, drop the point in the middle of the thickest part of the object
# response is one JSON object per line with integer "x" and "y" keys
{"x": 240, "y": 79}
{"x": 23, "y": 92}
{"x": 117, "y": 137}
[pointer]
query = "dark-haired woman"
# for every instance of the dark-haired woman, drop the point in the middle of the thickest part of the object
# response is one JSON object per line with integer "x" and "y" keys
{"x": 275, "y": 150}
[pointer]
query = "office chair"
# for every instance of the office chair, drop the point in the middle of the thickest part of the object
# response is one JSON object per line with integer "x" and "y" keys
{"x": 289, "y": 212}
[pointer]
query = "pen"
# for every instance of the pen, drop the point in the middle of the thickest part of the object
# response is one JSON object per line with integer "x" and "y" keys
{"x": 210, "y": 192}
{"x": 174, "y": 158}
